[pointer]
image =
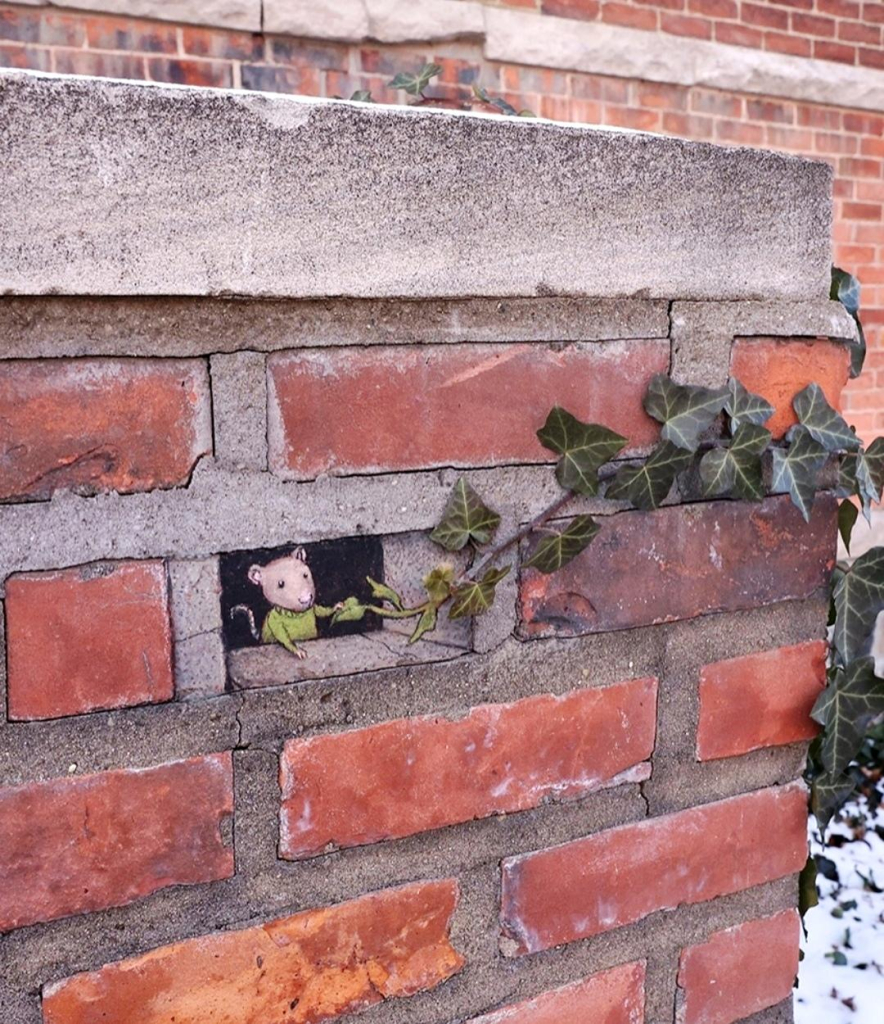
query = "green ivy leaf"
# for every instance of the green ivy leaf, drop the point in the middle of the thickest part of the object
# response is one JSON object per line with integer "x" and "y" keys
{"x": 847, "y": 517}
{"x": 808, "y": 895}
{"x": 362, "y": 96}
{"x": 684, "y": 410}
{"x": 823, "y": 423}
{"x": 854, "y": 696}
{"x": 437, "y": 583}
{"x": 647, "y": 485}
{"x": 415, "y": 84}
{"x": 828, "y": 793}
{"x": 381, "y": 592}
{"x": 858, "y": 597}
{"x": 796, "y": 469}
{"x": 737, "y": 468}
{"x": 559, "y": 548}
{"x": 862, "y": 474}
{"x": 352, "y": 611}
{"x": 466, "y": 518}
{"x": 584, "y": 449}
{"x": 508, "y": 108}
{"x": 475, "y": 597}
{"x": 742, "y": 406}
{"x": 846, "y": 290}
{"x": 425, "y": 624}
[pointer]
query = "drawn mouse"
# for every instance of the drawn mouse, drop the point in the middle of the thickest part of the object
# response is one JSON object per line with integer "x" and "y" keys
{"x": 287, "y": 584}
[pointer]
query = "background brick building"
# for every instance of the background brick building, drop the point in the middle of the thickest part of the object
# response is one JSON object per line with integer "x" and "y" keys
{"x": 802, "y": 76}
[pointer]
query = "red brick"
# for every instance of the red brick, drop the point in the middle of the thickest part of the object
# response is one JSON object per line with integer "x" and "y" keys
{"x": 183, "y": 71}
{"x": 720, "y": 103}
{"x": 616, "y": 877}
{"x": 679, "y": 562}
{"x": 840, "y": 8}
{"x": 49, "y": 29}
{"x": 615, "y": 996}
{"x": 690, "y": 126}
{"x": 714, "y": 8}
{"x": 509, "y": 390}
{"x": 760, "y": 700}
{"x": 414, "y": 774}
{"x": 770, "y": 110}
{"x": 663, "y": 97}
{"x": 873, "y": 11}
{"x": 207, "y": 42}
{"x": 586, "y": 10}
{"x": 779, "y": 42}
{"x": 819, "y": 117}
{"x": 813, "y": 25}
{"x": 738, "y": 35}
{"x": 84, "y": 639}
{"x": 857, "y": 33}
{"x": 764, "y": 15}
{"x": 625, "y": 117}
{"x": 778, "y": 368}
{"x": 871, "y": 58}
{"x": 324, "y": 56}
{"x": 306, "y": 968}
{"x": 108, "y": 33}
{"x": 862, "y": 211}
{"x": 740, "y": 971}
{"x": 303, "y": 80}
{"x": 869, "y": 124}
{"x": 625, "y": 14}
{"x": 680, "y": 25}
{"x": 75, "y": 845}
{"x": 105, "y": 64}
{"x": 743, "y": 134}
{"x": 823, "y": 49}
{"x": 103, "y": 424}
{"x": 28, "y": 58}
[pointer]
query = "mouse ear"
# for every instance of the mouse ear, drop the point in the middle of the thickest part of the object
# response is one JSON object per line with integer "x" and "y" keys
{"x": 300, "y": 554}
{"x": 255, "y": 573}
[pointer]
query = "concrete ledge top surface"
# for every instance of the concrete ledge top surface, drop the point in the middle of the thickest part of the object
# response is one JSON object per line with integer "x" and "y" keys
{"x": 121, "y": 188}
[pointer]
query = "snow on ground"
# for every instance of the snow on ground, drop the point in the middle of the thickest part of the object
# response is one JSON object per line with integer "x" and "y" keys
{"x": 841, "y": 979}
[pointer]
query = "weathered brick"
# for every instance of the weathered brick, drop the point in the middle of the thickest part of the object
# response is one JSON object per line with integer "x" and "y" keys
{"x": 75, "y": 845}
{"x": 479, "y": 404}
{"x": 617, "y": 877}
{"x": 759, "y": 700}
{"x": 615, "y": 996}
{"x": 88, "y": 638}
{"x": 410, "y": 775}
{"x": 739, "y": 971}
{"x": 306, "y": 968}
{"x": 682, "y": 561}
{"x": 778, "y": 368}
{"x": 104, "y": 424}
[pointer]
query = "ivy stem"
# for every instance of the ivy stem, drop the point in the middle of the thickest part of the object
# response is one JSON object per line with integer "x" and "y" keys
{"x": 396, "y": 613}
{"x": 518, "y": 536}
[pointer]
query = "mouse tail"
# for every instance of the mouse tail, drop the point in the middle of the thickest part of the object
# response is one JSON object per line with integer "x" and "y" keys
{"x": 245, "y": 608}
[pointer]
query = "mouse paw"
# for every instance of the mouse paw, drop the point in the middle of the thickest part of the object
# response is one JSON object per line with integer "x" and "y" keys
{"x": 300, "y": 654}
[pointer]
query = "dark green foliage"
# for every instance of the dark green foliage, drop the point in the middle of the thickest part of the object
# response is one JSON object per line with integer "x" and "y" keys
{"x": 684, "y": 410}
{"x": 858, "y": 597}
{"x": 414, "y": 85}
{"x": 853, "y": 697}
{"x": 475, "y": 597}
{"x": 742, "y": 406}
{"x": 847, "y": 517}
{"x": 824, "y": 425}
{"x": 648, "y": 484}
{"x": 796, "y": 469}
{"x": 737, "y": 470}
{"x": 560, "y": 547}
{"x": 466, "y": 518}
{"x": 845, "y": 289}
{"x": 584, "y": 448}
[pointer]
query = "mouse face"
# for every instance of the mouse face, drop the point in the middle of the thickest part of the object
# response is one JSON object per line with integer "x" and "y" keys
{"x": 286, "y": 582}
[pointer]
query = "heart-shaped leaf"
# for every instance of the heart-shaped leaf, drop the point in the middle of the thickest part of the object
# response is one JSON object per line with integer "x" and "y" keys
{"x": 584, "y": 449}
{"x": 822, "y": 422}
{"x": 854, "y": 696}
{"x": 425, "y": 624}
{"x": 736, "y": 469}
{"x": 846, "y": 290}
{"x": 437, "y": 583}
{"x": 848, "y": 514}
{"x": 684, "y": 410}
{"x": 475, "y": 597}
{"x": 858, "y": 597}
{"x": 466, "y": 518}
{"x": 415, "y": 84}
{"x": 862, "y": 474}
{"x": 829, "y": 792}
{"x": 742, "y": 406}
{"x": 796, "y": 469}
{"x": 647, "y": 485}
{"x": 560, "y": 547}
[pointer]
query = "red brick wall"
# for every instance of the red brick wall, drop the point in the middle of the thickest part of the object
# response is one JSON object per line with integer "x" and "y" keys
{"x": 852, "y": 141}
